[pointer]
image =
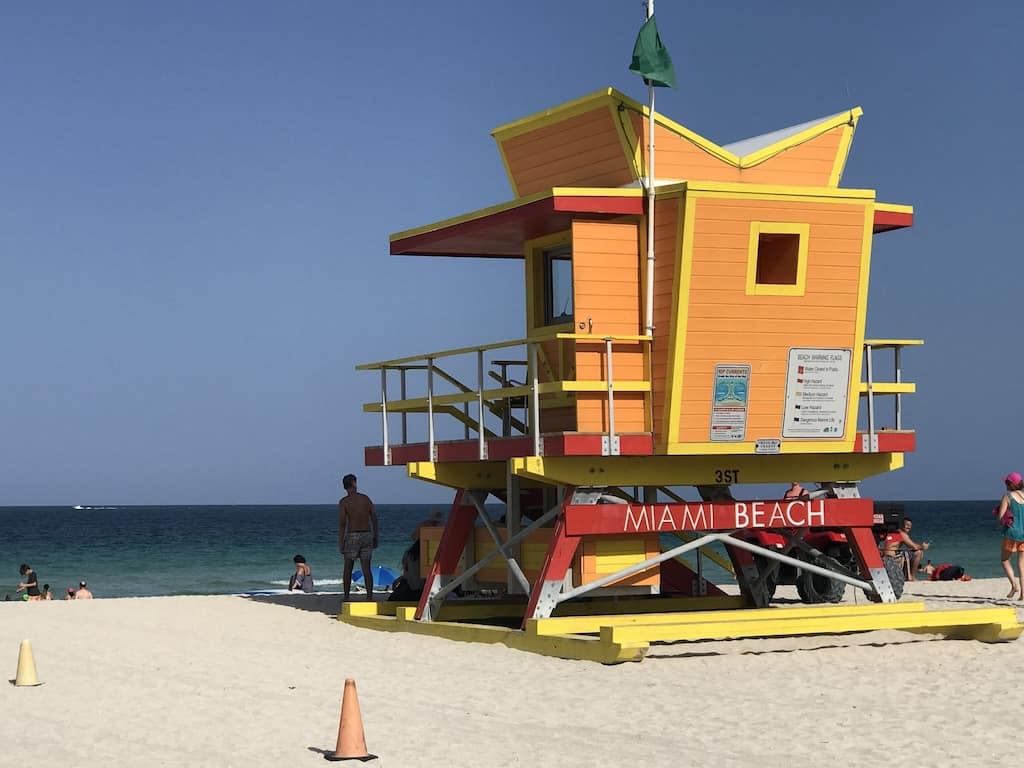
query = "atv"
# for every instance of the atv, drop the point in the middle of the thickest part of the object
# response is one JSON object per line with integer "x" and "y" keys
{"x": 826, "y": 548}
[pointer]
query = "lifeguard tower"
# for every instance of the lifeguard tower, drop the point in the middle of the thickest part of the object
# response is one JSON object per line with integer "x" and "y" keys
{"x": 663, "y": 366}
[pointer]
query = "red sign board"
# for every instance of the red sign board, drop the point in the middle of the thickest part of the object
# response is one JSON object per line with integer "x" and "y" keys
{"x": 582, "y": 519}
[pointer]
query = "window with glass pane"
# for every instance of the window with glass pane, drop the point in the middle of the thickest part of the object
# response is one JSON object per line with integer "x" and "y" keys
{"x": 558, "y": 286}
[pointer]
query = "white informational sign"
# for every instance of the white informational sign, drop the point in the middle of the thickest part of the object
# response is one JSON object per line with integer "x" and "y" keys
{"x": 817, "y": 393}
{"x": 729, "y": 403}
{"x": 768, "y": 445}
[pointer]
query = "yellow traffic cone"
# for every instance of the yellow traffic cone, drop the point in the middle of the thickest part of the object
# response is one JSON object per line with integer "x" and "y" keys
{"x": 26, "y": 666}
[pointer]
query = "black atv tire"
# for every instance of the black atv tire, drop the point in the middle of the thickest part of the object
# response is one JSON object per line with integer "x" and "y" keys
{"x": 770, "y": 583}
{"x": 814, "y": 588}
{"x": 897, "y": 578}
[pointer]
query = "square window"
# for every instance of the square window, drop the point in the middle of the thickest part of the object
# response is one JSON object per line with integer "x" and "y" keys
{"x": 778, "y": 255}
{"x": 777, "y": 258}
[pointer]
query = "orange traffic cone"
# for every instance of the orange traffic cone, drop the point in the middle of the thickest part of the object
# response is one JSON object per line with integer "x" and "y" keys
{"x": 351, "y": 738}
{"x": 26, "y": 674}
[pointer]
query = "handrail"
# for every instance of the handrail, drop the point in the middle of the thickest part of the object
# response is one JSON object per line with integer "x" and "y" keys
{"x": 604, "y": 337}
{"x": 487, "y": 399}
{"x": 398, "y": 361}
{"x": 887, "y": 343}
{"x": 898, "y": 388}
{"x": 547, "y": 388}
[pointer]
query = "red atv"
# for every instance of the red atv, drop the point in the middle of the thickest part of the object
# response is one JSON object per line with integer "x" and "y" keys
{"x": 824, "y": 547}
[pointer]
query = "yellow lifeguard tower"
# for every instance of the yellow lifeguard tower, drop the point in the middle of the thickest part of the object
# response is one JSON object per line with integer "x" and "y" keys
{"x": 719, "y": 345}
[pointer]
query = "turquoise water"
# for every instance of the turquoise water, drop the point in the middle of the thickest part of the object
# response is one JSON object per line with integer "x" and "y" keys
{"x": 136, "y": 551}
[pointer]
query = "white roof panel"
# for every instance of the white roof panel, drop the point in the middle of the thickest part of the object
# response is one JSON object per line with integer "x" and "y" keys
{"x": 754, "y": 143}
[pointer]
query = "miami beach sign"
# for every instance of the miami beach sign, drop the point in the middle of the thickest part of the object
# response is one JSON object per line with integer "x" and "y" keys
{"x": 707, "y": 516}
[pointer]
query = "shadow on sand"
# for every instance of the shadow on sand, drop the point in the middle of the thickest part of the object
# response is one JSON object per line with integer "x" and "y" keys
{"x": 328, "y": 604}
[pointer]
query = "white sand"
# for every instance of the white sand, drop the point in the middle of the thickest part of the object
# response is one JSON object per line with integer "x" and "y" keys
{"x": 228, "y": 681}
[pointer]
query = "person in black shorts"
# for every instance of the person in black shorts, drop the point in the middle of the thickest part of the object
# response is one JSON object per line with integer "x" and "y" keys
{"x": 31, "y": 583}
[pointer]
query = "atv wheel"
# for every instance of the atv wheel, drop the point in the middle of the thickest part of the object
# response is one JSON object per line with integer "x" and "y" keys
{"x": 897, "y": 578}
{"x": 770, "y": 582}
{"x": 814, "y": 588}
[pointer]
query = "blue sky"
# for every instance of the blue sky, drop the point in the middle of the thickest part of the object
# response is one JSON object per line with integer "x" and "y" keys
{"x": 196, "y": 199}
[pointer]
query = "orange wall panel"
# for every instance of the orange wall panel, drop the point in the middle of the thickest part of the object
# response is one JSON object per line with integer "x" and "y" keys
{"x": 584, "y": 150}
{"x": 606, "y": 277}
{"x": 592, "y": 412}
{"x": 806, "y": 165}
{"x": 678, "y": 158}
{"x": 599, "y": 556}
{"x": 724, "y": 325}
{"x": 606, "y": 287}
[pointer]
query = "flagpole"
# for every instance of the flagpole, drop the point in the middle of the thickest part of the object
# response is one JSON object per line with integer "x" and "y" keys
{"x": 649, "y": 304}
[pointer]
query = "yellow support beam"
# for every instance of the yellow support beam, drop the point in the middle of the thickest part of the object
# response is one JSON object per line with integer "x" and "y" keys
{"x": 366, "y": 615}
{"x": 985, "y": 624}
{"x": 889, "y": 388}
{"x": 889, "y": 343}
{"x": 594, "y": 386}
{"x": 581, "y": 625}
{"x": 702, "y": 470}
{"x": 474, "y": 475}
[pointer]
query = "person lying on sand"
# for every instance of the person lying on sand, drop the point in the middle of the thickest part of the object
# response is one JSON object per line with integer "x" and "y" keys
{"x": 945, "y": 572}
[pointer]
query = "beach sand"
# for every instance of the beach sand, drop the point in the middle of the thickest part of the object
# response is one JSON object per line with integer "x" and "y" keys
{"x": 236, "y": 681}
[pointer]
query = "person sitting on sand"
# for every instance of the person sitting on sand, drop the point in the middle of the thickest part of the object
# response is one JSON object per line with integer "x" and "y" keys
{"x": 302, "y": 579}
{"x": 31, "y": 583}
{"x": 409, "y": 586}
{"x": 911, "y": 550}
{"x": 945, "y": 572}
{"x": 47, "y": 594}
{"x": 83, "y": 593}
{"x": 71, "y": 594}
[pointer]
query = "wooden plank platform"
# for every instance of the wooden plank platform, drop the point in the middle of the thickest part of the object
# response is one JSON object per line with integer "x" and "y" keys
{"x": 985, "y": 624}
{"x": 582, "y": 625}
{"x": 615, "y": 638}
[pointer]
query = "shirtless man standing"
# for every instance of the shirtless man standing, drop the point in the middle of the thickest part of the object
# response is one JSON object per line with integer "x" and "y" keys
{"x": 357, "y": 533}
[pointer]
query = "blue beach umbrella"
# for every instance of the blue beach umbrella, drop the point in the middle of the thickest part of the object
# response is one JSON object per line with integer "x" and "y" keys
{"x": 382, "y": 576}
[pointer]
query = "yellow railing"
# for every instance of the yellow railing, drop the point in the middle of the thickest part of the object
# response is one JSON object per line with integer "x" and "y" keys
{"x": 511, "y": 394}
{"x": 897, "y": 388}
{"x": 498, "y": 401}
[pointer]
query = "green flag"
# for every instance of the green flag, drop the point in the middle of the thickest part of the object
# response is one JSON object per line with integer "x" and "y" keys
{"x": 650, "y": 57}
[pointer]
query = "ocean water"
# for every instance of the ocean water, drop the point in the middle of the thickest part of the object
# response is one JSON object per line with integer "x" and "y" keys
{"x": 186, "y": 550}
{"x": 193, "y": 550}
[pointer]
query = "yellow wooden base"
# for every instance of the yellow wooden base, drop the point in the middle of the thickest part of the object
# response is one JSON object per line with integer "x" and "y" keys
{"x": 985, "y": 624}
{"x": 582, "y": 625}
{"x": 560, "y": 646}
{"x": 612, "y": 639}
